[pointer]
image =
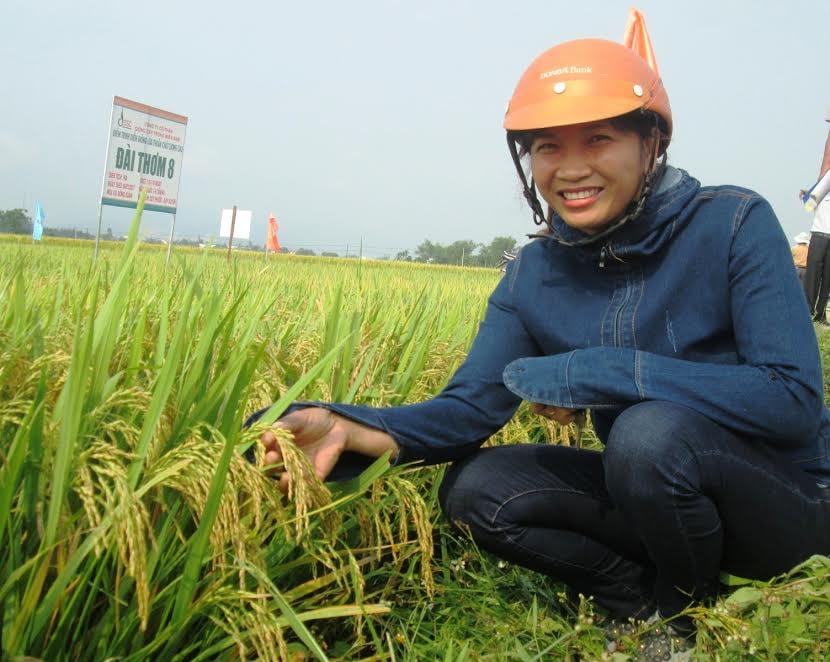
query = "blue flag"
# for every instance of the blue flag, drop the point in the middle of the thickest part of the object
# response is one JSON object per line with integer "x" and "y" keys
{"x": 40, "y": 216}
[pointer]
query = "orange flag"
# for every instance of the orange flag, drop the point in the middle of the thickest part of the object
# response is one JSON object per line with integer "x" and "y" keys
{"x": 636, "y": 38}
{"x": 273, "y": 243}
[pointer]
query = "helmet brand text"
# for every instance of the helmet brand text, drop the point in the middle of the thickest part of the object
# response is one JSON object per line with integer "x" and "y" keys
{"x": 564, "y": 70}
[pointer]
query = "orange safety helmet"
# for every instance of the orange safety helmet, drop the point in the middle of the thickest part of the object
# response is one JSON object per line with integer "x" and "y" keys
{"x": 586, "y": 80}
{"x": 579, "y": 81}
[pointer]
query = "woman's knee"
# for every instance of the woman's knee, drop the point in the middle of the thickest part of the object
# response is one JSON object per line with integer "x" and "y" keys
{"x": 647, "y": 444}
{"x": 463, "y": 491}
{"x": 447, "y": 494}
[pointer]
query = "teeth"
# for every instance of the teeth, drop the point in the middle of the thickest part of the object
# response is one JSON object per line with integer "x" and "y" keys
{"x": 579, "y": 195}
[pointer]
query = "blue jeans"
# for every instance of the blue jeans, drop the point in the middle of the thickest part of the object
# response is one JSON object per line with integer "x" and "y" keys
{"x": 651, "y": 521}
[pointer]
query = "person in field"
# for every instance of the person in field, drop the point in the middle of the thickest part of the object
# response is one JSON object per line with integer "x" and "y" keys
{"x": 817, "y": 272}
{"x": 799, "y": 253}
{"x": 654, "y": 303}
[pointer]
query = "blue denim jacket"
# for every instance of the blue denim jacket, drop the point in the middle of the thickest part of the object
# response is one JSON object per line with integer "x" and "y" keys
{"x": 695, "y": 302}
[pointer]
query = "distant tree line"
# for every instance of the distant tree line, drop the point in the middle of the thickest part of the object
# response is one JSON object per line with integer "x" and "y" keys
{"x": 466, "y": 252}
{"x": 463, "y": 252}
{"x": 17, "y": 221}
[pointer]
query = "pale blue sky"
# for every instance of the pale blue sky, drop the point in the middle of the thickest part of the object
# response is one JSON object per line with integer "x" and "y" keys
{"x": 382, "y": 119}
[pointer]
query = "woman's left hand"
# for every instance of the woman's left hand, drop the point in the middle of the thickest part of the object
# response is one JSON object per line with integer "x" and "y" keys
{"x": 561, "y": 415}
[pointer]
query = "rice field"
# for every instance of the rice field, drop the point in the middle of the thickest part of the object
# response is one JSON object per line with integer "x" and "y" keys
{"x": 134, "y": 529}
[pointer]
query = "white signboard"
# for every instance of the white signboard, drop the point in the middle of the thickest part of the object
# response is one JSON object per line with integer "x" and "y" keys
{"x": 145, "y": 150}
{"x": 241, "y": 226}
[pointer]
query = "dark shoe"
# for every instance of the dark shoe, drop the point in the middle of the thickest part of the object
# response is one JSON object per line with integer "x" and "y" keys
{"x": 664, "y": 645}
{"x": 649, "y": 641}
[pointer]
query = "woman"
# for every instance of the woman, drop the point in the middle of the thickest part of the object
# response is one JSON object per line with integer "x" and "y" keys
{"x": 655, "y": 303}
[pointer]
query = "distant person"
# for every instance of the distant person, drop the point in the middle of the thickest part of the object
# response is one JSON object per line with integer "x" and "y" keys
{"x": 655, "y": 303}
{"x": 799, "y": 251}
{"x": 817, "y": 273}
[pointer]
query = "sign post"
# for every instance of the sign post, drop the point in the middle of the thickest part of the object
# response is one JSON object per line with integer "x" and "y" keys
{"x": 230, "y": 240}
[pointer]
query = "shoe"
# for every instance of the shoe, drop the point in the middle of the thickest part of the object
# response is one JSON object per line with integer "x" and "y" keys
{"x": 664, "y": 645}
{"x": 656, "y": 643}
{"x": 615, "y": 631}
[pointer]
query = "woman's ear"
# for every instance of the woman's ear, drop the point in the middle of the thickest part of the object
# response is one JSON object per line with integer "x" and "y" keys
{"x": 651, "y": 150}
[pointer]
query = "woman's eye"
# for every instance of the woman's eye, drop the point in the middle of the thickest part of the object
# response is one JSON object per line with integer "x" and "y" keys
{"x": 546, "y": 147}
{"x": 599, "y": 138}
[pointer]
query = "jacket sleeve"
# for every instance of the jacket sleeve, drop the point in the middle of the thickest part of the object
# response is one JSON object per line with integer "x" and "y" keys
{"x": 474, "y": 404}
{"x": 775, "y": 389}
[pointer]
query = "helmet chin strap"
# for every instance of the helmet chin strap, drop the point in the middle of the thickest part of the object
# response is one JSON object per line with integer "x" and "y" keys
{"x": 651, "y": 180}
{"x": 528, "y": 190}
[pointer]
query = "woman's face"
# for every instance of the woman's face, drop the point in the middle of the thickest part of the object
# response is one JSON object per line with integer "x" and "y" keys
{"x": 588, "y": 173}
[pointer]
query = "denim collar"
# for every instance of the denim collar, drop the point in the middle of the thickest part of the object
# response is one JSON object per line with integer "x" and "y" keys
{"x": 651, "y": 229}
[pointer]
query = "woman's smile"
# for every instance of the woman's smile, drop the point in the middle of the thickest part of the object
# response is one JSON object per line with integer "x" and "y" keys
{"x": 580, "y": 198}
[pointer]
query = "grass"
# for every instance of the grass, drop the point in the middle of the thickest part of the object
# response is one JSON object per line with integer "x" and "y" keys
{"x": 132, "y": 527}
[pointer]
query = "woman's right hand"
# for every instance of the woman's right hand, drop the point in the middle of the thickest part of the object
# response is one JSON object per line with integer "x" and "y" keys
{"x": 323, "y": 436}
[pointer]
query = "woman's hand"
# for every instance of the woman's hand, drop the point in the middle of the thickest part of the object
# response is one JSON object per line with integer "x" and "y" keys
{"x": 561, "y": 415}
{"x": 323, "y": 436}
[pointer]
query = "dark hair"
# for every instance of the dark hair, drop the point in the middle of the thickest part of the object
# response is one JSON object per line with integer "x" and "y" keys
{"x": 639, "y": 121}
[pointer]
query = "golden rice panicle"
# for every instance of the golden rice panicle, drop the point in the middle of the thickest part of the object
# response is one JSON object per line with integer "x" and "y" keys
{"x": 87, "y": 492}
{"x": 197, "y": 458}
{"x": 368, "y": 525}
{"x": 249, "y": 506}
{"x": 245, "y": 618}
{"x": 328, "y": 558}
{"x": 12, "y": 412}
{"x": 359, "y": 588}
{"x": 186, "y": 469}
{"x": 263, "y": 386}
{"x": 58, "y": 367}
{"x": 110, "y": 418}
{"x": 413, "y": 509}
{"x": 381, "y": 516}
{"x": 162, "y": 432}
{"x": 392, "y": 501}
{"x": 103, "y": 487}
{"x": 306, "y": 491}
{"x": 265, "y": 500}
{"x": 268, "y": 502}
{"x": 27, "y": 387}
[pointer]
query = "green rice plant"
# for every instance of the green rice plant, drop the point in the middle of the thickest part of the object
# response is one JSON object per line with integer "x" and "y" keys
{"x": 133, "y": 527}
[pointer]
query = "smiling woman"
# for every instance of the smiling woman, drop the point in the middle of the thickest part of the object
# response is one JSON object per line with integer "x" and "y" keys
{"x": 655, "y": 303}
